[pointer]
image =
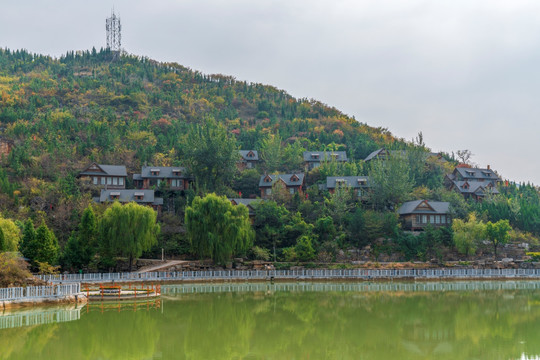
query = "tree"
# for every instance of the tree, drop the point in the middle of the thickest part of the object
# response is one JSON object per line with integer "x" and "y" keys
{"x": 498, "y": 233}
{"x": 2, "y": 241}
{"x": 211, "y": 155}
{"x": 304, "y": 249}
{"x": 128, "y": 230}
{"x": 271, "y": 152}
{"x": 28, "y": 240}
{"x": 87, "y": 236}
{"x": 217, "y": 229}
{"x": 46, "y": 246}
{"x": 391, "y": 183}
{"x": 467, "y": 234}
{"x": 12, "y": 234}
{"x": 269, "y": 223}
{"x": 464, "y": 156}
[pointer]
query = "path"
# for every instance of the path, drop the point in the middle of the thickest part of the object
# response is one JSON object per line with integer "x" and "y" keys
{"x": 162, "y": 266}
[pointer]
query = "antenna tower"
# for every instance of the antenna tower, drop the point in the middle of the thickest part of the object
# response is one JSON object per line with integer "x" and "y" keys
{"x": 114, "y": 36}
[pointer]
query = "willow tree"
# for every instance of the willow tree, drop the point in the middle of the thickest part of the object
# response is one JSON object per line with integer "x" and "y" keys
{"x": 217, "y": 229}
{"x": 129, "y": 230}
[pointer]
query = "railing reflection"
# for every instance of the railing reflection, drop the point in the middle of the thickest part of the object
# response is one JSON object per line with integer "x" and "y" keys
{"x": 31, "y": 318}
{"x": 351, "y": 287}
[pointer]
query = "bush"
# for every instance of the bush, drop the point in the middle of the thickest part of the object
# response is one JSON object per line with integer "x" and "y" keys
{"x": 258, "y": 253}
{"x": 304, "y": 249}
{"x": 13, "y": 270}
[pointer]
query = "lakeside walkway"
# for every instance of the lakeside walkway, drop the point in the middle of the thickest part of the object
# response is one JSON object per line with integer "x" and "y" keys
{"x": 299, "y": 275}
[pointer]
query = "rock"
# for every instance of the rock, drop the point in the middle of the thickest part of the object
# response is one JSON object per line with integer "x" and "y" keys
{"x": 507, "y": 260}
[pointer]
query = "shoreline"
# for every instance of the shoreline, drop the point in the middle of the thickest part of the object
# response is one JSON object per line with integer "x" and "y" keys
{"x": 27, "y": 303}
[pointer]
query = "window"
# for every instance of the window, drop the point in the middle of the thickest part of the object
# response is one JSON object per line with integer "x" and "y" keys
{"x": 316, "y": 165}
{"x": 249, "y": 165}
{"x": 437, "y": 219}
{"x": 103, "y": 179}
{"x": 443, "y": 219}
{"x": 158, "y": 182}
{"x": 424, "y": 219}
{"x": 109, "y": 181}
{"x": 95, "y": 180}
{"x": 432, "y": 219}
{"x": 115, "y": 181}
{"x": 121, "y": 181}
{"x": 268, "y": 191}
{"x": 291, "y": 190}
{"x": 418, "y": 219}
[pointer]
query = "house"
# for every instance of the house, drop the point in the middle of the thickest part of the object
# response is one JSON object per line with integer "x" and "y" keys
{"x": 142, "y": 197}
{"x": 476, "y": 190}
{"x": 416, "y": 215}
{"x": 473, "y": 182}
{"x": 248, "y": 159}
{"x": 360, "y": 184}
{"x": 381, "y": 154}
{"x": 107, "y": 176}
{"x": 153, "y": 176}
{"x": 249, "y": 203}
{"x": 292, "y": 182}
{"x": 313, "y": 159}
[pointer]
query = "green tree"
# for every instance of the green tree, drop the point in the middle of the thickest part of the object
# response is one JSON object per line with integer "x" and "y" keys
{"x": 211, "y": 155}
{"x": 46, "y": 246}
{"x": 271, "y": 152}
{"x": 217, "y": 229}
{"x": 128, "y": 230}
{"x": 391, "y": 182}
{"x": 467, "y": 234}
{"x": 72, "y": 255}
{"x": 12, "y": 234}
{"x": 304, "y": 249}
{"x": 269, "y": 223}
{"x": 28, "y": 240}
{"x": 2, "y": 241}
{"x": 498, "y": 233}
{"x": 87, "y": 235}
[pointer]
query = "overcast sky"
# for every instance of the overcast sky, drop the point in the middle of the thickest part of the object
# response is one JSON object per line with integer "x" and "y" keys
{"x": 464, "y": 72}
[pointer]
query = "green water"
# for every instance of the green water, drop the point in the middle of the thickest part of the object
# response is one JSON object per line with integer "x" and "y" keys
{"x": 290, "y": 321}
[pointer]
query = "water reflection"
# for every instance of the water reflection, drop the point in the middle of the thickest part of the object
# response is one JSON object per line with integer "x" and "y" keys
{"x": 491, "y": 320}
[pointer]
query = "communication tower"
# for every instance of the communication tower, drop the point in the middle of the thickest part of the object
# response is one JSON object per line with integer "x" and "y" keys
{"x": 114, "y": 36}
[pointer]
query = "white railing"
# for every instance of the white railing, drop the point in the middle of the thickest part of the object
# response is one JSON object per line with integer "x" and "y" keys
{"x": 39, "y": 292}
{"x": 361, "y": 274}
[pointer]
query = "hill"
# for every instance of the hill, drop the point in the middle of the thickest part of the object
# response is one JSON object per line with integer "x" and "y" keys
{"x": 59, "y": 115}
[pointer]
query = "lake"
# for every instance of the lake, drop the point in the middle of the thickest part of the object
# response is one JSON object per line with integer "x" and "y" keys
{"x": 387, "y": 320}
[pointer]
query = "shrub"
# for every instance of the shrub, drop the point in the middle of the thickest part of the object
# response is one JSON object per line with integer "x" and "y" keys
{"x": 13, "y": 270}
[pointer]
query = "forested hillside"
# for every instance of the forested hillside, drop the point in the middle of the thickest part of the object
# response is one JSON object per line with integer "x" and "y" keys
{"x": 60, "y": 115}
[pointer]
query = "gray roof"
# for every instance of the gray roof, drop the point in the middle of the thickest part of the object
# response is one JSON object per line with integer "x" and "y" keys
{"x": 349, "y": 181}
{"x": 126, "y": 196}
{"x": 248, "y": 203}
{"x": 112, "y": 170}
{"x": 285, "y": 177}
{"x": 411, "y": 207}
{"x": 244, "y": 155}
{"x": 479, "y": 174}
{"x": 165, "y": 172}
{"x": 375, "y": 154}
{"x": 475, "y": 187}
{"x": 318, "y": 156}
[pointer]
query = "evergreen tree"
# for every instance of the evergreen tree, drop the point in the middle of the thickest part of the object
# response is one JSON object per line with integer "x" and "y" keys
{"x": 2, "y": 241}
{"x": 46, "y": 245}
{"x": 28, "y": 244}
{"x": 87, "y": 236}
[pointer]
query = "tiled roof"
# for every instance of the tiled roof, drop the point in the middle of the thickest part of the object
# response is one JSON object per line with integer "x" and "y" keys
{"x": 411, "y": 207}
{"x": 478, "y": 174}
{"x": 244, "y": 155}
{"x": 288, "y": 179}
{"x": 164, "y": 172}
{"x": 112, "y": 170}
{"x": 125, "y": 196}
{"x": 318, "y": 156}
{"x": 350, "y": 181}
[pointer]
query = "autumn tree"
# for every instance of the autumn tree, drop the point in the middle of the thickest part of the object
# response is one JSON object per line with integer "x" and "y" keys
{"x": 128, "y": 230}
{"x": 217, "y": 229}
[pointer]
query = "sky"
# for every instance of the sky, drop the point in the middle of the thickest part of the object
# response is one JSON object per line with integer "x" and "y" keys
{"x": 463, "y": 72}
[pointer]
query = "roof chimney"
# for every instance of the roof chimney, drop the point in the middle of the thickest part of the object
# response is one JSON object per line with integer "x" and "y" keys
{"x": 489, "y": 167}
